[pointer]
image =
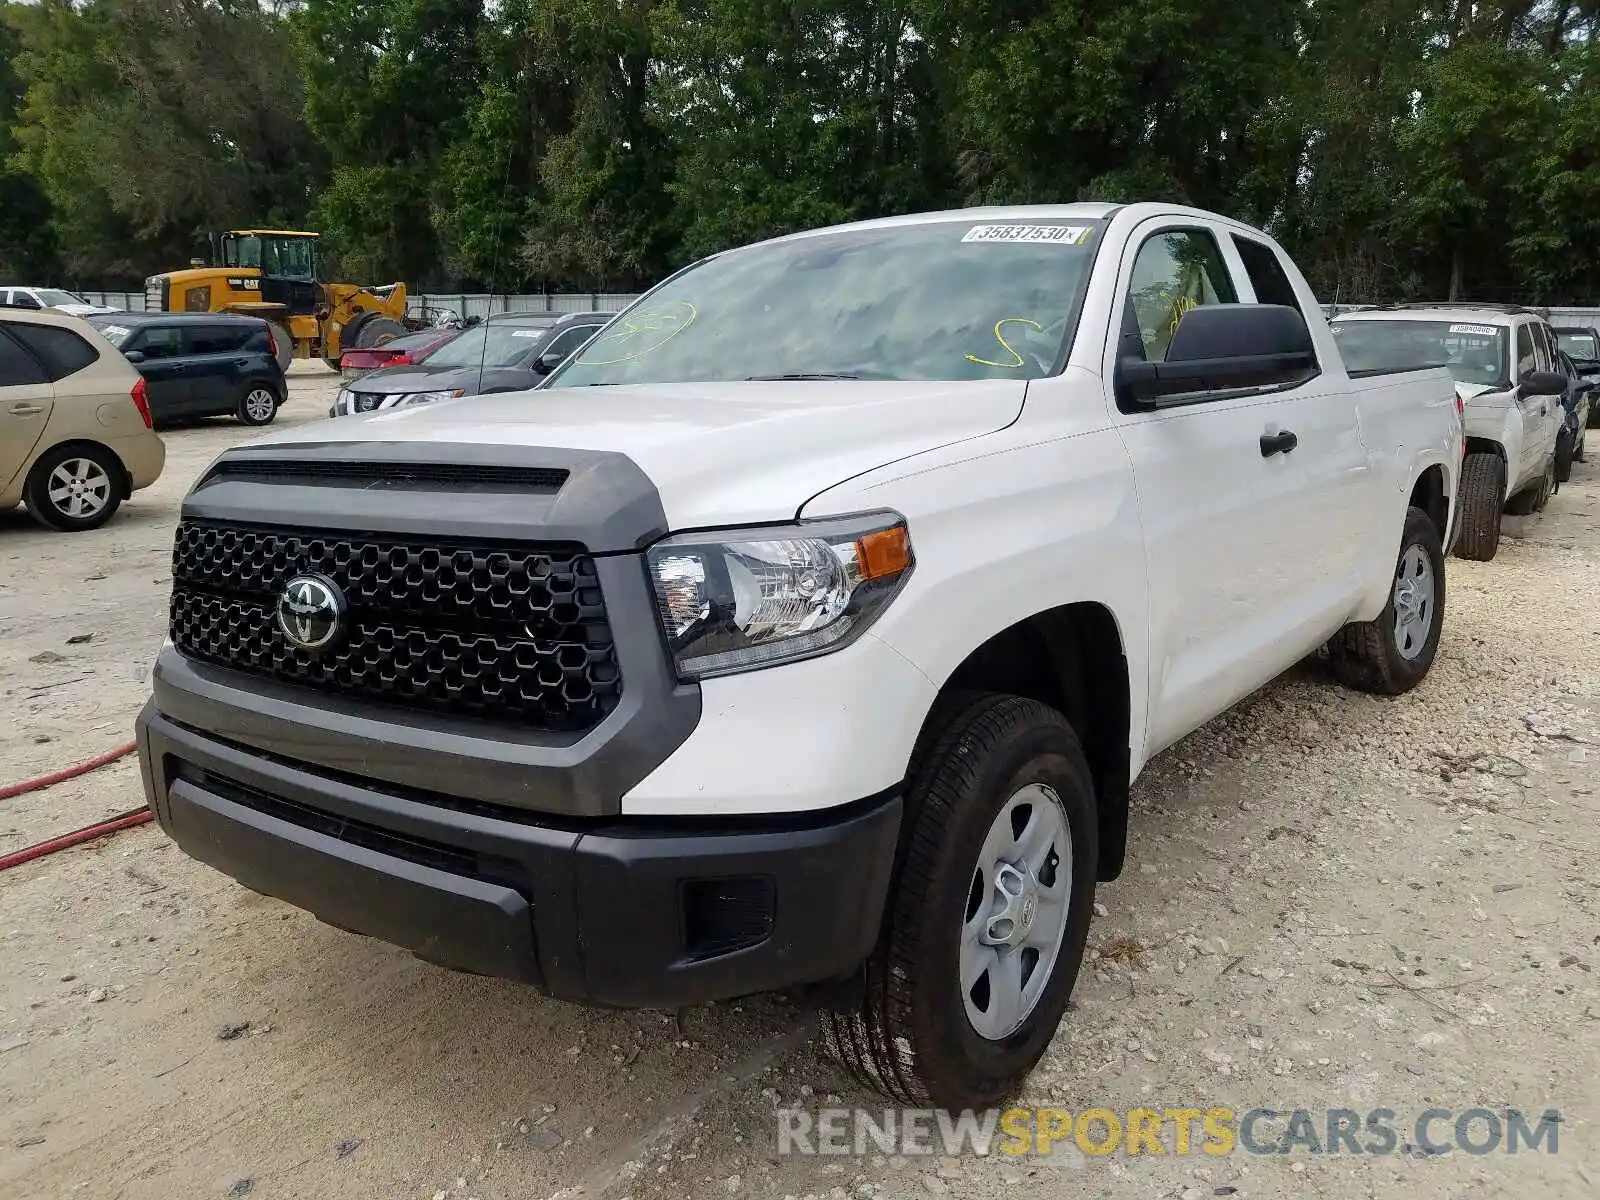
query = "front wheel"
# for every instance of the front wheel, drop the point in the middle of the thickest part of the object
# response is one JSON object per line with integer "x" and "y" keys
{"x": 74, "y": 488}
{"x": 1565, "y": 456}
{"x": 986, "y": 924}
{"x": 1391, "y": 654}
{"x": 1482, "y": 491}
{"x": 258, "y": 405}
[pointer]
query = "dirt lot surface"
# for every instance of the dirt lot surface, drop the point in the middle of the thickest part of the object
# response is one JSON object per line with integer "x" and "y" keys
{"x": 1331, "y": 901}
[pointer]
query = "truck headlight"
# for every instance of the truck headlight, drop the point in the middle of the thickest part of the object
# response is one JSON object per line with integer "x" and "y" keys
{"x": 737, "y": 599}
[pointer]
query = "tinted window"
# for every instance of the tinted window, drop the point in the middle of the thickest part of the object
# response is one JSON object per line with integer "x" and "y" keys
{"x": 156, "y": 341}
{"x": 213, "y": 339}
{"x": 569, "y": 340}
{"x": 1267, "y": 276}
{"x": 21, "y": 299}
{"x": 1527, "y": 356}
{"x": 17, "y": 366}
{"x": 1175, "y": 272}
{"x": 60, "y": 350}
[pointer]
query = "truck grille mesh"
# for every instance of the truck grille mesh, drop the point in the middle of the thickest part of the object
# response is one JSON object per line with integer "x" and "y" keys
{"x": 516, "y": 633}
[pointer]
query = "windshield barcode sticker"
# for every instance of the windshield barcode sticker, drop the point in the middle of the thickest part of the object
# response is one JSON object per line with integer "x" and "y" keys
{"x": 527, "y": 333}
{"x": 1477, "y": 330}
{"x": 1051, "y": 235}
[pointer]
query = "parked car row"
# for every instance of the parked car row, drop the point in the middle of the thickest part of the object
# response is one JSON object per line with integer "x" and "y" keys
{"x": 1525, "y": 400}
{"x": 509, "y": 352}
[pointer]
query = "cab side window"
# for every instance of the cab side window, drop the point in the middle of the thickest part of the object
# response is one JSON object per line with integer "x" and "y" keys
{"x": 1174, "y": 272}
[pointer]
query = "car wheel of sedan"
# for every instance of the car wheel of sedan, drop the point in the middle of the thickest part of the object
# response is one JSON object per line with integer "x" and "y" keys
{"x": 258, "y": 405}
{"x": 985, "y": 927}
{"x": 74, "y": 488}
{"x": 1565, "y": 455}
{"x": 1391, "y": 654}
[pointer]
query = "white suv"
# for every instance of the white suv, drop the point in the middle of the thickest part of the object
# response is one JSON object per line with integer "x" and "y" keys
{"x": 1504, "y": 361}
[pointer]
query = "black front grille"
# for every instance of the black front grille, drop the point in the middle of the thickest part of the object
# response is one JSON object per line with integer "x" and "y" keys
{"x": 515, "y": 633}
{"x": 454, "y": 476}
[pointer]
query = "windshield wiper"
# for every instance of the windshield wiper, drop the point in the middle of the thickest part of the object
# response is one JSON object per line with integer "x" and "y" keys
{"x": 801, "y": 375}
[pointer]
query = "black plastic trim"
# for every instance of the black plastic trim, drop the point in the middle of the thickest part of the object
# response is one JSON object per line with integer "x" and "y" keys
{"x": 589, "y": 911}
{"x": 607, "y": 503}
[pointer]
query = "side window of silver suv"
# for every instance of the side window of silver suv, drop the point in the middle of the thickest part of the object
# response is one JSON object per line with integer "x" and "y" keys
{"x": 1527, "y": 355}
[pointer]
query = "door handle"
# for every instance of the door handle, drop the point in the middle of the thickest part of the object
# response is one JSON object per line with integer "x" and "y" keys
{"x": 1278, "y": 443}
{"x": 26, "y": 410}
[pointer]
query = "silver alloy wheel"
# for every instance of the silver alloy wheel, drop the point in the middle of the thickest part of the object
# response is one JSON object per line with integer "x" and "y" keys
{"x": 79, "y": 488}
{"x": 1016, "y": 915}
{"x": 1413, "y": 602}
{"x": 260, "y": 404}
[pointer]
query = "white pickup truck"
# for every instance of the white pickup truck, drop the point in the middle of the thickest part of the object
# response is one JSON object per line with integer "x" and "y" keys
{"x": 808, "y": 629}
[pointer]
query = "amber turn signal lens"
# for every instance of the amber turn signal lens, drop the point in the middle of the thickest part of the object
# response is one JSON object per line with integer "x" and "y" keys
{"x": 884, "y": 553}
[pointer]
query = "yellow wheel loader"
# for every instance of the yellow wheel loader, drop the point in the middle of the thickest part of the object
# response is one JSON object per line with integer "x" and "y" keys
{"x": 272, "y": 274}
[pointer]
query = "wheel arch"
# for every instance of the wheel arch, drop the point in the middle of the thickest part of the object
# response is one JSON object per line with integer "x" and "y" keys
{"x": 1073, "y": 658}
{"x": 124, "y": 477}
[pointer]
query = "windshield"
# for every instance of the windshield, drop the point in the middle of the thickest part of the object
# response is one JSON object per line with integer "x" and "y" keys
{"x": 112, "y": 332}
{"x": 1474, "y": 353}
{"x": 53, "y": 297}
{"x": 507, "y": 345}
{"x": 1580, "y": 345}
{"x": 946, "y": 300}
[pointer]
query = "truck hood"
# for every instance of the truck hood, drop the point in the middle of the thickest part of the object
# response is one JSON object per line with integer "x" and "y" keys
{"x": 1472, "y": 391}
{"x": 718, "y": 453}
{"x": 394, "y": 381}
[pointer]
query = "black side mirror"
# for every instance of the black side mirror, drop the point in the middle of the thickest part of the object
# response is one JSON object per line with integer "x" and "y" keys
{"x": 134, "y": 356}
{"x": 1222, "y": 347}
{"x": 1542, "y": 383}
{"x": 548, "y": 361}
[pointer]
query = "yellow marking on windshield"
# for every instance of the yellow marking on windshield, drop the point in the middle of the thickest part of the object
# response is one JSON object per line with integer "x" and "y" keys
{"x": 1005, "y": 345}
{"x": 667, "y": 320}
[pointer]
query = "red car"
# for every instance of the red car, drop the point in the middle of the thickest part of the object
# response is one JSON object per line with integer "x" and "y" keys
{"x": 402, "y": 351}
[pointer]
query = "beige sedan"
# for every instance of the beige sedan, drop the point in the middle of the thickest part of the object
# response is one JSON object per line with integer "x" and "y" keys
{"x": 75, "y": 431}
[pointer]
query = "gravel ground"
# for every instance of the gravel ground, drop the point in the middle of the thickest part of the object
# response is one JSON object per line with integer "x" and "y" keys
{"x": 1331, "y": 901}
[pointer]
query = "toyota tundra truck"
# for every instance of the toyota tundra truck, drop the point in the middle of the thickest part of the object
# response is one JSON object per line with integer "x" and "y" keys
{"x": 806, "y": 630}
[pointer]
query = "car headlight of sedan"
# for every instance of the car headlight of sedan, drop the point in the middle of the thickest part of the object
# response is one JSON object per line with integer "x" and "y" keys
{"x": 737, "y": 599}
{"x": 412, "y": 398}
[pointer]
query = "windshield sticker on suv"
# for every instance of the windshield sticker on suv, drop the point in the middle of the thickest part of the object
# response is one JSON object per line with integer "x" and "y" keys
{"x": 1049, "y": 235}
{"x": 637, "y": 334}
{"x": 1478, "y": 330}
{"x": 1005, "y": 345}
{"x": 115, "y": 331}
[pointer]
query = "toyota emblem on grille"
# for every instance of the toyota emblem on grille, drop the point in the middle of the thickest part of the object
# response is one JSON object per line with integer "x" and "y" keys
{"x": 311, "y": 612}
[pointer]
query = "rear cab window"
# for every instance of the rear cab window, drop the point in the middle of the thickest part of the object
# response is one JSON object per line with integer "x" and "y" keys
{"x": 61, "y": 351}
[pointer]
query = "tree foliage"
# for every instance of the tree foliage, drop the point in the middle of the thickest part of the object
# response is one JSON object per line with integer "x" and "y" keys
{"x": 1399, "y": 148}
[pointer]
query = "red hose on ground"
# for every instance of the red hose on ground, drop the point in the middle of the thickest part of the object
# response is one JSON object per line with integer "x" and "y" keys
{"x": 76, "y": 838}
{"x": 72, "y": 772}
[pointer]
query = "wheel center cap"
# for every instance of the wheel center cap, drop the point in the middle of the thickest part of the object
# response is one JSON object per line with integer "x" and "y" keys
{"x": 1026, "y": 911}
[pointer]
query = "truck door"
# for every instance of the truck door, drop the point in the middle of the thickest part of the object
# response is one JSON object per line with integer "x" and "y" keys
{"x": 1534, "y": 410}
{"x": 1243, "y": 566}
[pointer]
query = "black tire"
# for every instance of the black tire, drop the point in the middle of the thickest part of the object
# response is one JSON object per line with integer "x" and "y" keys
{"x": 1546, "y": 486}
{"x": 1579, "y": 454}
{"x": 56, "y": 513}
{"x": 285, "y": 343}
{"x": 1565, "y": 454}
{"x": 911, "y": 1038}
{"x": 258, "y": 405}
{"x": 1594, "y": 415}
{"x": 376, "y": 330}
{"x": 1483, "y": 484}
{"x": 350, "y": 333}
{"x": 1369, "y": 655}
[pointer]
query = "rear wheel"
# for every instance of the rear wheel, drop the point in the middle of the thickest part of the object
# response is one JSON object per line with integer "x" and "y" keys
{"x": 1565, "y": 456}
{"x": 74, "y": 488}
{"x": 986, "y": 924}
{"x": 285, "y": 343}
{"x": 1391, "y": 654}
{"x": 1546, "y": 487}
{"x": 1483, "y": 483}
{"x": 258, "y": 405}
